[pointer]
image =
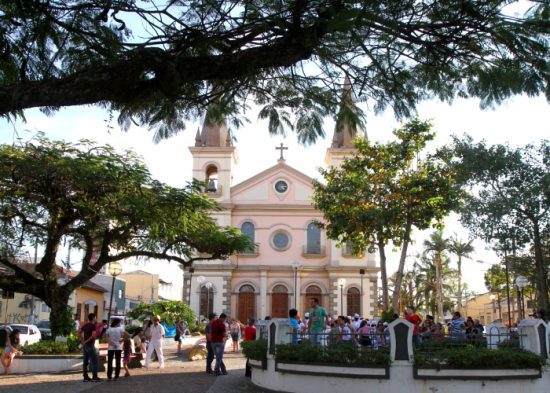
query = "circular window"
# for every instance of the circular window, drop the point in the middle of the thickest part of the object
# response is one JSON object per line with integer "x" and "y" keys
{"x": 280, "y": 240}
{"x": 281, "y": 186}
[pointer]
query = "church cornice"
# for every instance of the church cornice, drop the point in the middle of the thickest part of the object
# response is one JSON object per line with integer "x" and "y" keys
{"x": 274, "y": 206}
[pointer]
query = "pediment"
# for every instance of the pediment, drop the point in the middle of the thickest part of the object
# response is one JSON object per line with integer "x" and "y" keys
{"x": 261, "y": 187}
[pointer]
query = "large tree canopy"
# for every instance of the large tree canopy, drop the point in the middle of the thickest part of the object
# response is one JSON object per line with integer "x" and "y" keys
{"x": 381, "y": 193}
{"x": 509, "y": 199}
{"x": 160, "y": 62}
{"x": 105, "y": 204}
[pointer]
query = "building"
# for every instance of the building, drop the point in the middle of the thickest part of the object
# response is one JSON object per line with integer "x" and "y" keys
{"x": 293, "y": 260}
{"x": 119, "y": 294}
{"x": 144, "y": 287}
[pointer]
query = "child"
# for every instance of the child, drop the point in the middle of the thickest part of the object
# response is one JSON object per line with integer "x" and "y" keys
{"x": 10, "y": 350}
{"x": 126, "y": 352}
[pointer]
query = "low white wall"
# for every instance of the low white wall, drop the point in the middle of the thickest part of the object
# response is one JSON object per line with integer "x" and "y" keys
{"x": 401, "y": 378}
{"x": 45, "y": 364}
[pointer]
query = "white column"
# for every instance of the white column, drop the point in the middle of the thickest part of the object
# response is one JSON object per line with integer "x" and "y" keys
{"x": 263, "y": 294}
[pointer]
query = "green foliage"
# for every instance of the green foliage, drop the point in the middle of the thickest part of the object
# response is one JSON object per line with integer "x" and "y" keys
{"x": 160, "y": 63}
{"x": 169, "y": 311}
{"x": 103, "y": 203}
{"x": 48, "y": 347}
{"x": 332, "y": 354}
{"x": 387, "y": 315}
{"x": 378, "y": 195}
{"x": 473, "y": 357}
{"x": 508, "y": 202}
{"x": 63, "y": 324}
{"x": 256, "y": 349}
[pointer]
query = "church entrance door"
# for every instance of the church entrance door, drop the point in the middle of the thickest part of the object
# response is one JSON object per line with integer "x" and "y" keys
{"x": 247, "y": 304}
{"x": 279, "y": 302}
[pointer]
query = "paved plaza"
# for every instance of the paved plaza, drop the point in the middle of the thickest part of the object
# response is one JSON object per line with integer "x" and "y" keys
{"x": 179, "y": 375}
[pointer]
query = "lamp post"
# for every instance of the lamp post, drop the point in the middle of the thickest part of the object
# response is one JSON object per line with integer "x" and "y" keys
{"x": 341, "y": 284}
{"x": 115, "y": 268}
{"x": 521, "y": 283}
{"x": 361, "y": 273}
{"x": 201, "y": 281}
{"x": 295, "y": 266}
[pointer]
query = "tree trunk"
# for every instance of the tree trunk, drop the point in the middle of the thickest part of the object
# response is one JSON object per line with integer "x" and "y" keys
{"x": 438, "y": 286}
{"x": 459, "y": 294}
{"x": 399, "y": 274}
{"x": 384, "y": 274}
{"x": 61, "y": 318}
{"x": 541, "y": 274}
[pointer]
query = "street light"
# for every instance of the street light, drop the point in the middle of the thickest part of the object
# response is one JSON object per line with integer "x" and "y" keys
{"x": 341, "y": 284}
{"x": 115, "y": 268}
{"x": 361, "y": 273}
{"x": 295, "y": 266}
{"x": 521, "y": 283}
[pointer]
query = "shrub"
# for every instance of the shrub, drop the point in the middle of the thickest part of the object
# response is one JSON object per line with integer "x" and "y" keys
{"x": 49, "y": 347}
{"x": 255, "y": 350}
{"x": 472, "y": 357}
{"x": 332, "y": 354}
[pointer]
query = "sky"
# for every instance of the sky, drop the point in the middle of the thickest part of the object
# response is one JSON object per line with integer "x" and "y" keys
{"x": 518, "y": 121}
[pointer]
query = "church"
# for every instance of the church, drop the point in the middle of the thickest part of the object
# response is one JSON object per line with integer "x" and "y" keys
{"x": 292, "y": 260}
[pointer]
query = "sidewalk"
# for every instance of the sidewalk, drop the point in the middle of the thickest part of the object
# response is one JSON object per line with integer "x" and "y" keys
{"x": 179, "y": 375}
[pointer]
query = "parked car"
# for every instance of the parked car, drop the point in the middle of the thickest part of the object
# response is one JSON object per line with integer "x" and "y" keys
{"x": 28, "y": 334}
{"x": 44, "y": 327}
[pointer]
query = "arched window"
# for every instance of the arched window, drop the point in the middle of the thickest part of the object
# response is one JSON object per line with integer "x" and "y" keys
{"x": 279, "y": 302}
{"x": 313, "y": 291}
{"x": 313, "y": 239}
{"x": 212, "y": 179}
{"x": 353, "y": 301}
{"x": 246, "y": 304}
{"x": 250, "y": 231}
{"x": 206, "y": 300}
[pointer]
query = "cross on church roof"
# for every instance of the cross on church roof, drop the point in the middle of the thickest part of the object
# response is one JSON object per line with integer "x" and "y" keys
{"x": 281, "y": 148}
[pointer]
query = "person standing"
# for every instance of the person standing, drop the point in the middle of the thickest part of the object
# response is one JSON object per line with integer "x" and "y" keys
{"x": 157, "y": 336}
{"x": 87, "y": 335}
{"x": 235, "y": 329}
{"x": 113, "y": 336}
{"x": 127, "y": 352}
{"x": 218, "y": 336}
{"x": 249, "y": 335}
{"x": 317, "y": 321}
{"x": 10, "y": 350}
{"x": 209, "y": 348}
{"x": 292, "y": 318}
{"x": 416, "y": 321}
{"x": 179, "y": 335}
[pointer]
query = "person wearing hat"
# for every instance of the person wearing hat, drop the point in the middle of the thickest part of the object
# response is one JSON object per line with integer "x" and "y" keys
{"x": 356, "y": 323}
{"x": 157, "y": 337}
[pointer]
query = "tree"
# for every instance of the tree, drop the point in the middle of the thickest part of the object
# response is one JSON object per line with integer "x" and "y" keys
{"x": 158, "y": 63}
{"x": 437, "y": 245}
{"x": 379, "y": 194}
{"x": 461, "y": 250}
{"x": 509, "y": 199}
{"x": 426, "y": 287}
{"x": 105, "y": 204}
{"x": 170, "y": 311}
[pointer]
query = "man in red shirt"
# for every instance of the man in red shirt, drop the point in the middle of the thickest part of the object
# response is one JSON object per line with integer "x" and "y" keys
{"x": 249, "y": 335}
{"x": 87, "y": 334}
{"x": 218, "y": 335}
{"x": 415, "y": 320}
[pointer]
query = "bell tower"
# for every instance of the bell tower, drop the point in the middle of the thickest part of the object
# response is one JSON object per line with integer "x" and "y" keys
{"x": 344, "y": 135}
{"x": 214, "y": 159}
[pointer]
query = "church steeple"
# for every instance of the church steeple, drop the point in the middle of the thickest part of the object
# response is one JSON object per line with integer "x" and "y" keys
{"x": 344, "y": 134}
{"x": 214, "y": 132}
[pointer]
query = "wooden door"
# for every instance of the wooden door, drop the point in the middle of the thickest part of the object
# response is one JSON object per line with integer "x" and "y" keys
{"x": 247, "y": 304}
{"x": 279, "y": 302}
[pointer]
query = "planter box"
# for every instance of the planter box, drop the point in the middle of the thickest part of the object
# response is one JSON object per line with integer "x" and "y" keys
{"x": 26, "y": 364}
{"x": 477, "y": 374}
{"x": 261, "y": 364}
{"x": 334, "y": 370}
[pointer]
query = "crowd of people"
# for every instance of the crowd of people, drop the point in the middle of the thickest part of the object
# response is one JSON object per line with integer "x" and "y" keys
{"x": 319, "y": 328}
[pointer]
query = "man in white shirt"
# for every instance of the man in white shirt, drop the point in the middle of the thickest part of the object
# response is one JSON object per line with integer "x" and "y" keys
{"x": 157, "y": 337}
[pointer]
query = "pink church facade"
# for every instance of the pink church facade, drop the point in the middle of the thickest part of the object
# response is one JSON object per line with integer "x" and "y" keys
{"x": 293, "y": 260}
